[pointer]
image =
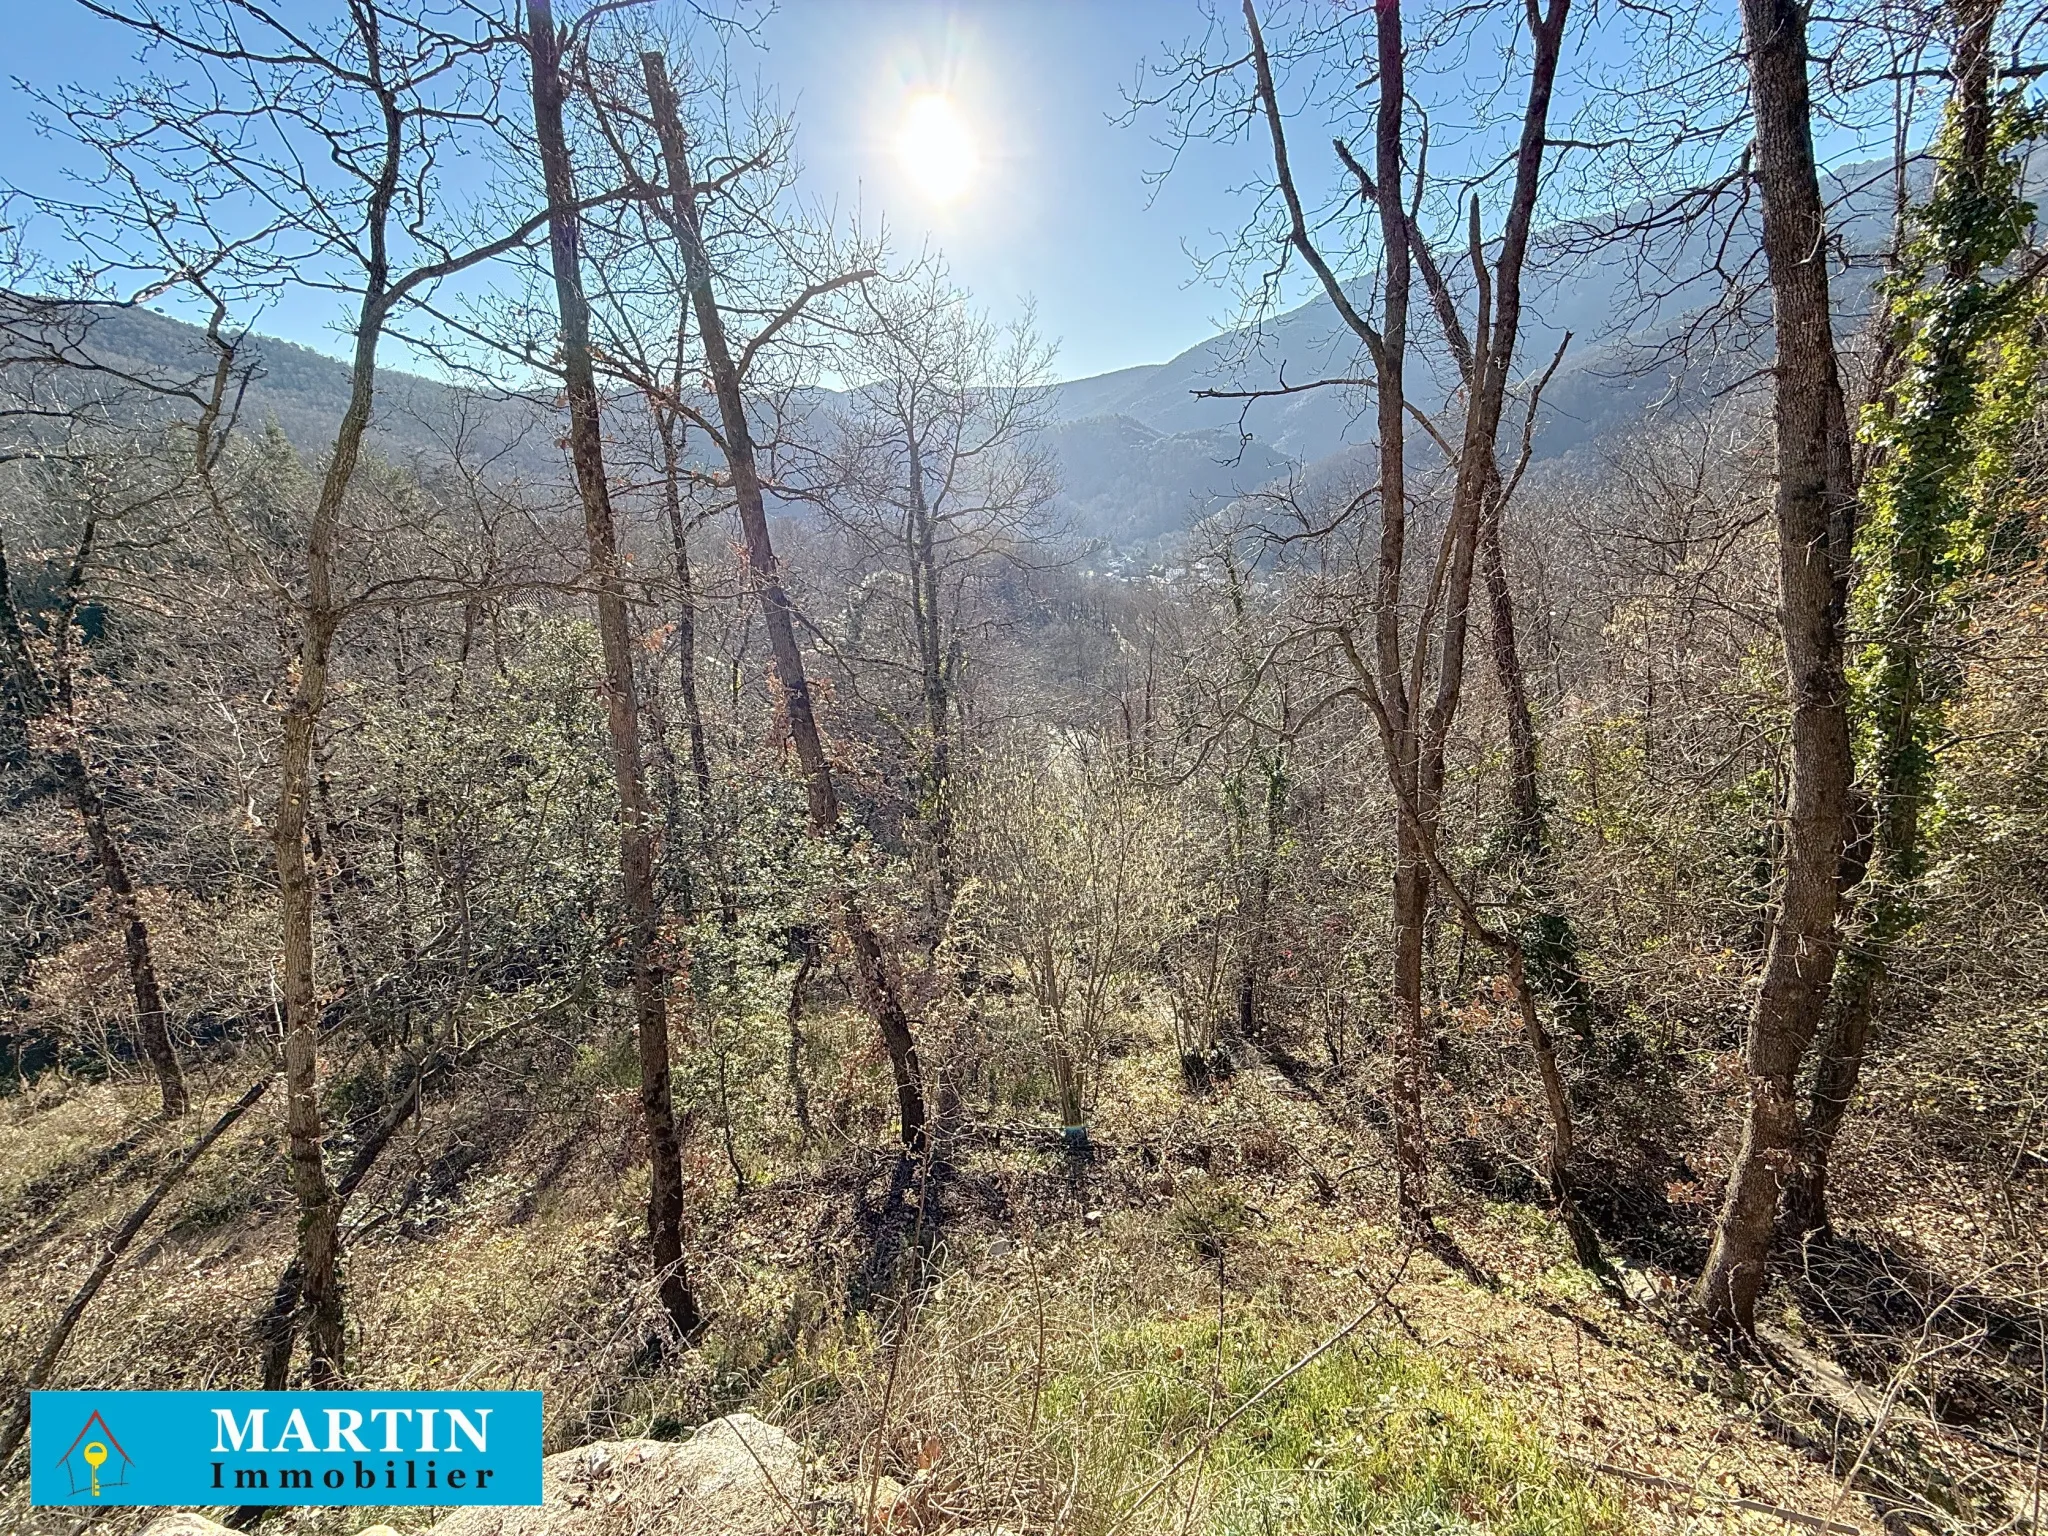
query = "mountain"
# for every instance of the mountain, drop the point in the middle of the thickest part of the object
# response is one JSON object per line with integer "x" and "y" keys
{"x": 1122, "y": 479}
{"x": 305, "y": 393}
{"x": 1632, "y": 318}
{"x": 1127, "y": 482}
{"x": 1607, "y": 375}
{"x": 1144, "y": 451}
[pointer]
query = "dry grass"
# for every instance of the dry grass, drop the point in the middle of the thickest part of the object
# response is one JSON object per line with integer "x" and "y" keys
{"x": 1072, "y": 1331}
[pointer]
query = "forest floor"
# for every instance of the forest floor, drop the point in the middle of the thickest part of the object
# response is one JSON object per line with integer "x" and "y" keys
{"x": 1029, "y": 1340}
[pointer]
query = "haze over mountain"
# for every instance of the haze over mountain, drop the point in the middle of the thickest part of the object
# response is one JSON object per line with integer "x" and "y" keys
{"x": 1148, "y": 450}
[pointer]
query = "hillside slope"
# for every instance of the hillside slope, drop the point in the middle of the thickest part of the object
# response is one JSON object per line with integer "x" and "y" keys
{"x": 1031, "y": 1342}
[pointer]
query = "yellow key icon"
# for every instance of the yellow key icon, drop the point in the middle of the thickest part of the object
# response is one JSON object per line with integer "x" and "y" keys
{"x": 95, "y": 1456}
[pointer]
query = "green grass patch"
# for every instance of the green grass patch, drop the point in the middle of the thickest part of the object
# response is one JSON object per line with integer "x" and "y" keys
{"x": 1371, "y": 1437}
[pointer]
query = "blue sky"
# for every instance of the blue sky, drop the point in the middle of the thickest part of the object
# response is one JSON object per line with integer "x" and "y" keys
{"x": 1062, "y": 212}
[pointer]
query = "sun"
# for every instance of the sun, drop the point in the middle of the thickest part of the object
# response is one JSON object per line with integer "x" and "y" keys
{"x": 936, "y": 149}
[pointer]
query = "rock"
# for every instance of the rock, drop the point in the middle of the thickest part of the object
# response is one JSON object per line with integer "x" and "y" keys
{"x": 199, "y": 1525}
{"x": 736, "y": 1476}
{"x": 891, "y": 1500}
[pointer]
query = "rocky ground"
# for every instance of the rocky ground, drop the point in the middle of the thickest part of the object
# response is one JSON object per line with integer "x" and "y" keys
{"x": 737, "y": 1476}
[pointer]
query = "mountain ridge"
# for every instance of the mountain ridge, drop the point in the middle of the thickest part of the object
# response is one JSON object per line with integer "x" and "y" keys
{"x": 1146, "y": 450}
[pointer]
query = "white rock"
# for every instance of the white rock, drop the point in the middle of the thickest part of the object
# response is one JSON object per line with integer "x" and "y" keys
{"x": 736, "y": 1476}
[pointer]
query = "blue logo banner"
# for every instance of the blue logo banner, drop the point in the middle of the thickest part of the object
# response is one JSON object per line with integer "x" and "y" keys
{"x": 208, "y": 1448}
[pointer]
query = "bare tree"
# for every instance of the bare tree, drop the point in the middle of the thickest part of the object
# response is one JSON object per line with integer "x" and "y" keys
{"x": 1815, "y": 518}
{"x": 1411, "y": 732}
{"x": 939, "y": 479}
{"x": 52, "y": 703}
{"x": 1410, "y": 671}
{"x": 727, "y": 373}
{"x": 622, "y": 703}
{"x": 296, "y": 155}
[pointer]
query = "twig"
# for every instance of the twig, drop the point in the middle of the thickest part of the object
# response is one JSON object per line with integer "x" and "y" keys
{"x": 1756, "y": 1506}
{"x": 1201, "y": 1447}
{"x": 53, "y": 1346}
{"x": 907, "y": 1311}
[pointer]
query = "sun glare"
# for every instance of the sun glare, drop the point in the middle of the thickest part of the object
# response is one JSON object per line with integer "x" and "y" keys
{"x": 936, "y": 149}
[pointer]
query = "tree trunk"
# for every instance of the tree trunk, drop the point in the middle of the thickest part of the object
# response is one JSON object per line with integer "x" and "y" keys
{"x": 1480, "y": 497}
{"x": 1814, "y": 527}
{"x": 319, "y": 1213}
{"x": 1417, "y": 737}
{"x": 871, "y": 974}
{"x": 319, "y": 616}
{"x": 319, "y": 1235}
{"x": 931, "y": 648}
{"x": 1549, "y": 945}
{"x": 17, "y": 668}
{"x": 1410, "y": 1039}
{"x": 1905, "y": 717}
{"x": 333, "y": 872}
{"x": 1525, "y": 800}
{"x": 152, "y": 1030}
{"x": 1411, "y": 876}
{"x": 1560, "y": 1143}
{"x": 622, "y": 711}
{"x": 278, "y": 1326}
{"x": 1548, "y": 942}
{"x": 1393, "y": 684}
{"x": 686, "y": 636}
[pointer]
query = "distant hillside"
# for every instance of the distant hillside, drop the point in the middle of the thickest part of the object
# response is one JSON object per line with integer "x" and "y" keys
{"x": 1122, "y": 479}
{"x": 1141, "y": 452}
{"x": 305, "y": 392}
{"x": 1622, "y": 311}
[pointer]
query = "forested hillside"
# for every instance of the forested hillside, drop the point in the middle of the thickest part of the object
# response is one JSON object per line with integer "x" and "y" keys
{"x": 1427, "y": 918}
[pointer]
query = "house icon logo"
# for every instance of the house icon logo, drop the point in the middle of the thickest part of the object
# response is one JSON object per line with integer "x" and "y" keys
{"x": 95, "y": 1459}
